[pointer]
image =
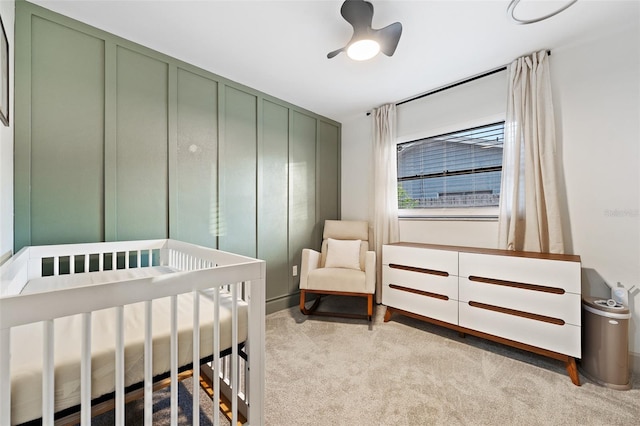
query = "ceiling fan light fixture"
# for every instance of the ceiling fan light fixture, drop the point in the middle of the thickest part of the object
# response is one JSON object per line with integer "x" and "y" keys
{"x": 363, "y": 50}
{"x": 366, "y": 42}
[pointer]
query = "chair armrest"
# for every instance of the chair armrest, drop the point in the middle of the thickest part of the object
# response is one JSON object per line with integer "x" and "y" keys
{"x": 370, "y": 271}
{"x": 310, "y": 261}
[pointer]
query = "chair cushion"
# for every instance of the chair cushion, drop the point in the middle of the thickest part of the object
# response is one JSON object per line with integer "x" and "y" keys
{"x": 337, "y": 279}
{"x": 346, "y": 230}
{"x": 343, "y": 254}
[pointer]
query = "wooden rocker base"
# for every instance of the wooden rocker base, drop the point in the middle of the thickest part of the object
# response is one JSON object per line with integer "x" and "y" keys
{"x": 313, "y": 309}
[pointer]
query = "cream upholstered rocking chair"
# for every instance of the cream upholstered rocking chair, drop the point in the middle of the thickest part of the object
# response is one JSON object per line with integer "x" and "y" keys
{"x": 345, "y": 266}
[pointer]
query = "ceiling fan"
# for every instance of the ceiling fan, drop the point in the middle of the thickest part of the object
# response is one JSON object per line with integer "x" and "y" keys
{"x": 366, "y": 42}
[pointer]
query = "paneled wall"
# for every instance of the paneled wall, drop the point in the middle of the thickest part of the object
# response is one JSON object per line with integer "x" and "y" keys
{"x": 115, "y": 141}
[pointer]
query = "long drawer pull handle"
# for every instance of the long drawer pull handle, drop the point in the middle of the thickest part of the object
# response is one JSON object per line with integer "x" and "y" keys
{"x": 542, "y": 318}
{"x": 421, "y": 270}
{"x": 533, "y": 287}
{"x": 420, "y": 292}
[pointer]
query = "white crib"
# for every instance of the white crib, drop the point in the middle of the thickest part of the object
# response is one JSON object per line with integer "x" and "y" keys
{"x": 81, "y": 321}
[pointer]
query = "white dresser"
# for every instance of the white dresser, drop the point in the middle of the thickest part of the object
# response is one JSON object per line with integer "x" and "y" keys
{"x": 528, "y": 300}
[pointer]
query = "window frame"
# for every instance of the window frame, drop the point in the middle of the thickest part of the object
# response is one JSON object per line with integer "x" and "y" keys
{"x": 489, "y": 213}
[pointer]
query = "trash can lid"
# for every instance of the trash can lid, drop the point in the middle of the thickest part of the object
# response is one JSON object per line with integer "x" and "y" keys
{"x": 605, "y": 307}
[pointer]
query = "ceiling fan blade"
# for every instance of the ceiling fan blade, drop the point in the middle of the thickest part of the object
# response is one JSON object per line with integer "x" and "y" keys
{"x": 335, "y": 52}
{"x": 388, "y": 37}
{"x": 359, "y": 13}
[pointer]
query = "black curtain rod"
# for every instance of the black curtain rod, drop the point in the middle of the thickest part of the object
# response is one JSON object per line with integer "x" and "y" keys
{"x": 452, "y": 85}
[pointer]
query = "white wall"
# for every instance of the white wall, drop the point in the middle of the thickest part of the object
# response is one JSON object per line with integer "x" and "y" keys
{"x": 596, "y": 93}
{"x": 7, "y": 12}
{"x": 596, "y": 86}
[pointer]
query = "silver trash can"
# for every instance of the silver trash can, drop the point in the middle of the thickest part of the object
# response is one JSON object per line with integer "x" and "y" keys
{"x": 605, "y": 342}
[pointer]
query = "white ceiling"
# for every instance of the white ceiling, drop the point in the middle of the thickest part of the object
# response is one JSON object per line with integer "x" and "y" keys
{"x": 280, "y": 47}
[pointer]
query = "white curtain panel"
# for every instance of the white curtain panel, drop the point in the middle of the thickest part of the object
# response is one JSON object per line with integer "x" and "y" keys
{"x": 529, "y": 211}
{"x": 385, "y": 195}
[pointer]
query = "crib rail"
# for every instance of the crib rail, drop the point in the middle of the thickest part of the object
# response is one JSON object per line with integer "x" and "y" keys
{"x": 198, "y": 268}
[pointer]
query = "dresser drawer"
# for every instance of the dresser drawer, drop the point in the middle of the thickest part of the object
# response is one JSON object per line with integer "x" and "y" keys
{"x": 559, "y": 274}
{"x": 531, "y": 299}
{"x": 436, "y": 260}
{"x": 432, "y": 307}
{"x": 422, "y": 281}
{"x": 564, "y": 339}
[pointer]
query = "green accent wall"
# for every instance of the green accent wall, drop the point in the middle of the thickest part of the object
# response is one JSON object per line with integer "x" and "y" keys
{"x": 141, "y": 146}
{"x": 273, "y": 197}
{"x": 115, "y": 141}
{"x": 197, "y": 160}
{"x": 66, "y": 189}
{"x": 238, "y": 168}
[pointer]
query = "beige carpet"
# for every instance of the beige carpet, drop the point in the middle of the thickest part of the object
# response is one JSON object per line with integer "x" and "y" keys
{"x": 134, "y": 411}
{"x": 323, "y": 371}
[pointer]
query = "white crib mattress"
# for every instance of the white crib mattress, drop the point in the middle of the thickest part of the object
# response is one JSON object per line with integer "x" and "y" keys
{"x": 26, "y": 342}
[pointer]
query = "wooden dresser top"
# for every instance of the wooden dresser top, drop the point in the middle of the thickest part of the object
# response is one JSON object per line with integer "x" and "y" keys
{"x": 529, "y": 254}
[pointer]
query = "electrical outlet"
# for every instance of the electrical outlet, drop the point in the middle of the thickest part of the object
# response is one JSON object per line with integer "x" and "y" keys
{"x": 295, "y": 270}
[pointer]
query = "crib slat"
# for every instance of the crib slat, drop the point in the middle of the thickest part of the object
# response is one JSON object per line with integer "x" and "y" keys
{"x": 188, "y": 262}
{"x": 139, "y": 257}
{"x": 245, "y": 385}
{"x": 174, "y": 360}
{"x": 234, "y": 353}
{"x": 148, "y": 363}
{"x": 256, "y": 344}
{"x": 196, "y": 358}
{"x": 5, "y": 376}
{"x": 85, "y": 371}
{"x": 119, "y": 365}
{"x": 216, "y": 353}
{"x": 48, "y": 395}
{"x": 126, "y": 260}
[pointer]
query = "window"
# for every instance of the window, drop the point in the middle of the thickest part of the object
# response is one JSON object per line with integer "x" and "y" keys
{"x": 456, "y": 170}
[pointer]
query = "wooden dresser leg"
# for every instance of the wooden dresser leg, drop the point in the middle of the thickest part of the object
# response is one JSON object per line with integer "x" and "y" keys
{"x": 572, "y": 369}
{"x": 387, "y": 314}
